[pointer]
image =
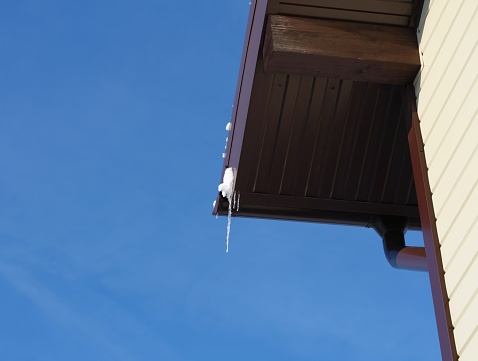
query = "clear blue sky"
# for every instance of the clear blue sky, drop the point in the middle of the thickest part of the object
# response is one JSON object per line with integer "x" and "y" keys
{"x": 112, "y": 117}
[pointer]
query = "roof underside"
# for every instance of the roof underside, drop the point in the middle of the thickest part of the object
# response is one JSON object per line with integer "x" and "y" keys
{"x": 385, "y": 12}
{"x": 320, "y": 149}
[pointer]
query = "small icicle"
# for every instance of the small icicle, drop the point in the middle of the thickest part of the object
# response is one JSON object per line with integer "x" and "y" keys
{"x": 229, "y": 217}
{"x": 238, "y": 200}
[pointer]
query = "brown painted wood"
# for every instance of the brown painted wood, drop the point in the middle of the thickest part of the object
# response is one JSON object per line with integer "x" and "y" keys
{"x": 340, "y": 50}
{"x": 361, "y": 141}
{"x": 294, "y": 145}
{"x": 306, "y": 209}
{"x": 334, "y": 141}
{"x": 325, "y": 204}
{"x": 284, "y": 130}
{"x": 343, "y": 14}
{"x": 430, "y": 234}
{"x": 269, "y": 137}
{"x": 315, "y": 127}
{"x": 322, "y": 137}
{"x": 348, "y": 141}
{"x": 396, "y": 7}
{"x": 378, "y": 122}
{"x": 254, "y": 131}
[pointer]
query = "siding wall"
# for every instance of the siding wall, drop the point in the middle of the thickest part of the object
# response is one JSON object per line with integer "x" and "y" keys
{"x": 447, "y": 102}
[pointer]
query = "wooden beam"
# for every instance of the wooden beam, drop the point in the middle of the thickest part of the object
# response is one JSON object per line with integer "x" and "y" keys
{"x": 341, "y": 50}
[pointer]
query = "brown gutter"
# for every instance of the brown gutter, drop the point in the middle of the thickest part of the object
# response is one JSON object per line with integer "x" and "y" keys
{"x": 429, "y": 229}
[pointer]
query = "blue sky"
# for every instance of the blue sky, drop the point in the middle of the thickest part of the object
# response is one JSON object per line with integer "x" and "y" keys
{"x": 112, "y": 117}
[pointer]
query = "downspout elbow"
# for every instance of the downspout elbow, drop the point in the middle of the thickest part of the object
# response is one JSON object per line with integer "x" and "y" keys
{"x": 392, "y": 230}
{"x": 402, "y": 257}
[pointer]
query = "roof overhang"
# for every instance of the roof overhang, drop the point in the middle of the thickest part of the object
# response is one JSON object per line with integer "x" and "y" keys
{"x": 318, "y": 131}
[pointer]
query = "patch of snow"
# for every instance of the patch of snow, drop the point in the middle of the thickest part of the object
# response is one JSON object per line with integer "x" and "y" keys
{"x": 227, "y": 190}
{"x": 227, "y": 186}
{"x": 228, "y": 126}
{"x": 224, "y": 155}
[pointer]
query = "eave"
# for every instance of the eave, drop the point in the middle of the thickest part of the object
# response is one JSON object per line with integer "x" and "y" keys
{"x": 314, "y": 148}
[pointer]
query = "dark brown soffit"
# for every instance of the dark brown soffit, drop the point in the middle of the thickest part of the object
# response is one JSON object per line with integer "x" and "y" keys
{"x": 319, "y": 149}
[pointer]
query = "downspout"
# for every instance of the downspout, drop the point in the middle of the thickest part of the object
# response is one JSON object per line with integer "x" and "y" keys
{"x": 392, "y": 230}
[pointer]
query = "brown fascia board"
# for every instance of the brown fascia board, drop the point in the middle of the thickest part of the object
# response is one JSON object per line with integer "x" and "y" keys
{"x": 252, "y": 44}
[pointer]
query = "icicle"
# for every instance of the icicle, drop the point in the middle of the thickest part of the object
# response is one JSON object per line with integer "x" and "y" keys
{"x": 227, "y": 190}
{"x": 213, "y": 206}
{"x": 229, "y": 217}
{"x": 238, "y": 200}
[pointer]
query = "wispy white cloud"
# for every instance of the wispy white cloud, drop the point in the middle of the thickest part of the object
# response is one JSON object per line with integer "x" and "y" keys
{"x": 63, "y": 314}
{"x": 50, "y": 304}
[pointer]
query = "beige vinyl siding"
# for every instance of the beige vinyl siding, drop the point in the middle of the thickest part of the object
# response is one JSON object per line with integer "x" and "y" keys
{"x": 447, "y": 102}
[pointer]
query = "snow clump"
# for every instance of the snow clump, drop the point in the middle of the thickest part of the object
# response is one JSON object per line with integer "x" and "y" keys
{"x": 227, "y": 190}
{"x": 227, "y": 186}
